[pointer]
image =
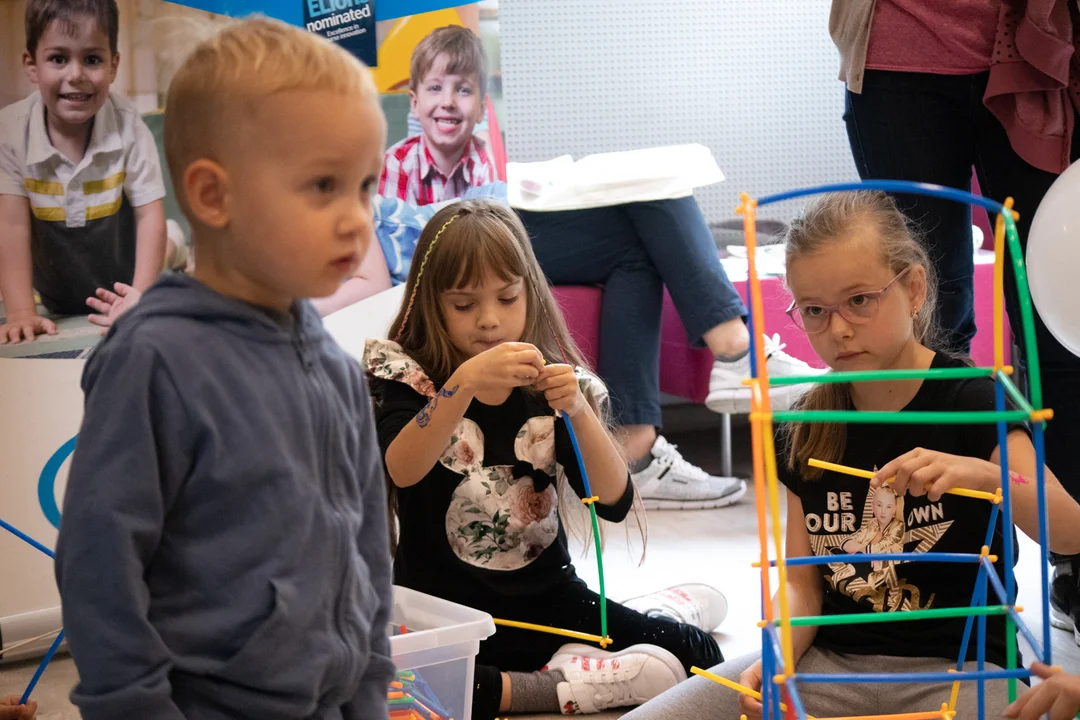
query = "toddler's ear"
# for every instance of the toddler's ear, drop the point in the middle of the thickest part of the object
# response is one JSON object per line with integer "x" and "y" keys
{"x": 206, "y": 188}
{"x": 29, "y": 67}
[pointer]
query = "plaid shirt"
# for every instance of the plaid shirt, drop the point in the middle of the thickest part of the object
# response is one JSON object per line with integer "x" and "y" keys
{"x": 409, "y": 172}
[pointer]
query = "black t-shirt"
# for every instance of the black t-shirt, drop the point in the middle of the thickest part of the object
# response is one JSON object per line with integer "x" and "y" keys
{"x": 840, "y": 510}
{"x": 484, "y": 524}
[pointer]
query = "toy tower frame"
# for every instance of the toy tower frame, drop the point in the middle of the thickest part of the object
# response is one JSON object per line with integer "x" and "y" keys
{"x": 777, "y": 659}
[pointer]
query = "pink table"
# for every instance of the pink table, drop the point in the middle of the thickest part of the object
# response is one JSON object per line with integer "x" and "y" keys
{"x": 684, "y": 371}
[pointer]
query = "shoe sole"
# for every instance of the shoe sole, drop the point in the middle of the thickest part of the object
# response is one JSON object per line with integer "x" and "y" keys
{"x": 1061, "y": 621}
{"x": 704, "y": 504}
{"x": 655, "y": 651}
{"x": 736, "y": 401}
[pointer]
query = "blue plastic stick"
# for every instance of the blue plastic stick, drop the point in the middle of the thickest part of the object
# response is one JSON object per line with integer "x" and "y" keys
{"x": 977, "y": 593}
{"x": 41, "y": 668}
{"x": 767, "y": 674}
{"x": 980, "y": 660}
{"x": 795, "y": 700}
{"x": 1006, "y": 497}
{"x": 1026, "y": 632}
{"x": 1044, "y": 536}
{"x": 750, "y": 329}
{"x": 873, "y": 557}
{"x": 895, "y": 186}
{"x": 595, "y": 524}
{"x": 913, "y": 677}
{"x": 977, "y": 599}
{"x": 995, "y": 582}
{"x": 1007, "y": 533}
{"x": 29, "y": 540}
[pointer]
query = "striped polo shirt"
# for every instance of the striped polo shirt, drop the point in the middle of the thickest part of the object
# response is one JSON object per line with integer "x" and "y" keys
{"x": 82, "y": 224}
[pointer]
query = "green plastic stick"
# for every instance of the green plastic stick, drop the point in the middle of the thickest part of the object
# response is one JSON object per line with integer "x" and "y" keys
{"x": 900, "y": 417}
{"x": 1014, "y": 392}
{"x": 1010, "y": 654}
{"x": 874, "y": 375}
{"x": 599, "y": 570}
{"x": 1027, "y": 315}
{"x": 880, "y": 617}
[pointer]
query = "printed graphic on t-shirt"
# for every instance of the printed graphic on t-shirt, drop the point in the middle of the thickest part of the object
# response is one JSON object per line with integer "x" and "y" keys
{"x": 882, "y": 528}
{"x": 496, "y": 520}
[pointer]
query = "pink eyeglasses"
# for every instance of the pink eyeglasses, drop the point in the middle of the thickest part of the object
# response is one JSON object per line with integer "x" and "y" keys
{"x": 857, "y": 309}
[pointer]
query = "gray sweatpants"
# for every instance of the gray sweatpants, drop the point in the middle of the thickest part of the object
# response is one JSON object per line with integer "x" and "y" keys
{"x": 687, "y": 700}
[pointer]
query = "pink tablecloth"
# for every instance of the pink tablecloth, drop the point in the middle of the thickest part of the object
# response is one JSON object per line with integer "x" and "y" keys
{"x": 684, "y": 371}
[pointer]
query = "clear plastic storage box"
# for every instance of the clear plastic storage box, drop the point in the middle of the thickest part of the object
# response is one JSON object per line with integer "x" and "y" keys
{"x": 435, "y": 656}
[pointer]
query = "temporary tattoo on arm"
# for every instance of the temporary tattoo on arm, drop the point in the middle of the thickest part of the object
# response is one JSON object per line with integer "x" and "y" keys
{"x": 424, "y": 416}
{"x": 1017, "y": 478}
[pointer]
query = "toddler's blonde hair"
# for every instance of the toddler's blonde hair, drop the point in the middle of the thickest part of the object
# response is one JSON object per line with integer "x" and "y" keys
{"x": 214, "y": 94}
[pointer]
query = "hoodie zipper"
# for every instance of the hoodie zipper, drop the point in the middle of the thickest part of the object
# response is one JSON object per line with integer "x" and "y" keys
{"x": 314, "y": 371}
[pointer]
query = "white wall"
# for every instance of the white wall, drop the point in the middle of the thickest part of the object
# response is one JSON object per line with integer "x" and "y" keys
{"x": 754, "y": 81}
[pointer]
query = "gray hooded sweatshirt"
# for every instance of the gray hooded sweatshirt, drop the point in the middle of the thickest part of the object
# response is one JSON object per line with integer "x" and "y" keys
{"x": 223, "y": 551}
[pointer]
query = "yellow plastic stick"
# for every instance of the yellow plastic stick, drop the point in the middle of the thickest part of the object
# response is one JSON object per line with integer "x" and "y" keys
{"x": 844, "y": 469}
{"x": 732, "y": 685}
{"x": 932, "y": 715}
{"x": 756, "y": 400}
{"x": 999, "y": 286}
{"x": 602, "y": 642}
{"x": 954, "y": 695}
{"x": 765, "y": 426}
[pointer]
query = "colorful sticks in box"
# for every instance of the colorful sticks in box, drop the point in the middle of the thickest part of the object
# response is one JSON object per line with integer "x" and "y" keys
{"x": 411, "y": 698}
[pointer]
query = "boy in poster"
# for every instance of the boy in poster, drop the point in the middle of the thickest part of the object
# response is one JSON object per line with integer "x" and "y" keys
{"x": 447, "y": 92}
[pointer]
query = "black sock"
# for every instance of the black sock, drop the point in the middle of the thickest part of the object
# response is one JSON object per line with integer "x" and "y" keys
{"x": 732, "y": 358}
{"x": 535, "y": 692}
{"x": 637, "y": 466}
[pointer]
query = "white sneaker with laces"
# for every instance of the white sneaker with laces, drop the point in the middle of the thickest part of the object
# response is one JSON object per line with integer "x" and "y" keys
{"x": 599, "y": 679}
{"x": 728, "y": 394}
{"x": 672, "y": 483}
{"x": 697, "y": 604}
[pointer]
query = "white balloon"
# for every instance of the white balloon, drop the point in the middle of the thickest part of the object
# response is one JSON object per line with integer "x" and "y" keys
{"x": 1053, "y": 259}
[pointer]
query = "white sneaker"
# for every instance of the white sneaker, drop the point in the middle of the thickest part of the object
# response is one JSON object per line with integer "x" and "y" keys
{"x": 728, "y": 394}
{"x": 671, "y": 483}
{"x": 599, "y": 679}
{"x": 695, "y": 604}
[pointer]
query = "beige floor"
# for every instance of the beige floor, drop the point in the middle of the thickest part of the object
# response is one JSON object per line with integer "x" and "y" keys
{"x": 710, "y": 546}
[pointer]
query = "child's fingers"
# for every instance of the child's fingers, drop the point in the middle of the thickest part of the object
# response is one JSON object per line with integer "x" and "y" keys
{"x": 1043, "y": 671}
{"x": 891, "y": 468}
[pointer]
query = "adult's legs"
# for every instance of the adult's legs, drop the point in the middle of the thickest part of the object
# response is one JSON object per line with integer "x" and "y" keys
{"x": 916, "y": 126}
{"x": 1002, "y": 173}
{"x": 599, "y": 246}
{"x": 680, "y": 245}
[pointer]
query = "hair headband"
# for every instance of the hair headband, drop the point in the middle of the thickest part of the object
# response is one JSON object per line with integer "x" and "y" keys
{"x": 423, "y": 264}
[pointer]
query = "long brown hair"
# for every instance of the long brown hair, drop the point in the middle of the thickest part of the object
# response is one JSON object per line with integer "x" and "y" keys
{"x": 825, "y": 220}
{"x": 461, "y": 244}
{"x": 475, "y": 237}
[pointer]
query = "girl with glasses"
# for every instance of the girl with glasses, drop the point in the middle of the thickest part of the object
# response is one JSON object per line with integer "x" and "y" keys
{"x": 864, "y": 292}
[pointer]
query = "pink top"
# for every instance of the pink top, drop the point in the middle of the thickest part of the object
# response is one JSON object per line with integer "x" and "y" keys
{"x": 943, "y": 37}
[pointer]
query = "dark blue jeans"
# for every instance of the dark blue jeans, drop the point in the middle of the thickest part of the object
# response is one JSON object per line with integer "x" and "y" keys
{"x": 934, "y": 128}
{"x": 634, "y": 250}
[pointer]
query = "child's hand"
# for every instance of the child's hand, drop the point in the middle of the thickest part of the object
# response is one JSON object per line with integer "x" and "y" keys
{"x": 112, "y": 305}
{"x": 10, "y": 709}
{"x": 1058, "y": 694}
{"x": 503, "y": 367}
{"x": 751, "y": 678}
{"x": 932, "y": 473}
{"x": 559, "y": 384}
{"x": 24, "y": 326}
